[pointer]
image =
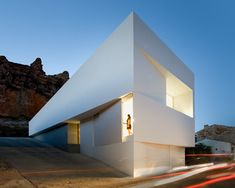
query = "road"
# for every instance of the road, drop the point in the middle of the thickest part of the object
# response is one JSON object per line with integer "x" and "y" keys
{"x": 36, "y": 164}
{"x": 216, "y": 177}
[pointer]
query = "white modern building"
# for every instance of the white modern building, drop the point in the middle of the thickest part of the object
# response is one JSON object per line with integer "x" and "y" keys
{"x": 133, "y": 72}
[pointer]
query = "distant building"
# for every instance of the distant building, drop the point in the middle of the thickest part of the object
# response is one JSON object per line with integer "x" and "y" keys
{"x": 217, "y": 132}
{"x": 218, "y": 146}
{"x": 221, "y": 138}
{"x": 130, "y": 105}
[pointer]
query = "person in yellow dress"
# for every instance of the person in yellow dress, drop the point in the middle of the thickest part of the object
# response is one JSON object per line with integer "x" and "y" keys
{"x": 128, "y": 123}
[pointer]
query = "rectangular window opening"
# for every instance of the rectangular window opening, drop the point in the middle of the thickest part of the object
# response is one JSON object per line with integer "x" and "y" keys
{"x": 127, "y": 116}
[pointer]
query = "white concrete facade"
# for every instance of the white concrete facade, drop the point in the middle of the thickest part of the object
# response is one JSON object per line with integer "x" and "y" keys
{"x": 134, "y": 73}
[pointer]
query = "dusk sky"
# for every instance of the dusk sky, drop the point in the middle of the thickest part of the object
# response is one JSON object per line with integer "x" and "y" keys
{"x": 65, "y": 33}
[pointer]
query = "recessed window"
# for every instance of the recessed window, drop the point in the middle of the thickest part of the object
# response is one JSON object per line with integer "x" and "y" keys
{"x": 179, "y": 96}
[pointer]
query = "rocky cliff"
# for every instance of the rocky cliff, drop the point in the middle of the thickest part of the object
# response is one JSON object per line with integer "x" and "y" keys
{"x": 217, "y": 132}
{"x": 24, "y": 90}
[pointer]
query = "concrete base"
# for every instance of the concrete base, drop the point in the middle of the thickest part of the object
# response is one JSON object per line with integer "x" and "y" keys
{"x": 152, "y": 159}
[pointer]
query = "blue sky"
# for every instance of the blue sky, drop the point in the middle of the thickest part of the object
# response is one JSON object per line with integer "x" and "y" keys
{"x": 65, "y": 33}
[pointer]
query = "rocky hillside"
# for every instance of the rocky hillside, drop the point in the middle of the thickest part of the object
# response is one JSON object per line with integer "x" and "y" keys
{"x": 24, "y": 90}
{"x": 217, "y": 132}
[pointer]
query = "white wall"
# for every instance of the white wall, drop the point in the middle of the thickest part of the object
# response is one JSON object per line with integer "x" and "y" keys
{"x": 154, "y": 121}
{"x": 148, "y": 80}
{"x": 107, "y": 126}
{"x": 157, "y": 123}
{"x": 87, "y": 138}
{"x": 152, "y": 158}
{"x": 145, "y": 39}
{"x": 107, "y": 75}
{"x": 177, "y": 156}
{"x": 119, "y": 156}
{"x": 103, "y": 143}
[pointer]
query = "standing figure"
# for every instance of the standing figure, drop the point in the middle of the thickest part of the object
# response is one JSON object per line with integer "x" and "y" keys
{"x": 128, "y": 122}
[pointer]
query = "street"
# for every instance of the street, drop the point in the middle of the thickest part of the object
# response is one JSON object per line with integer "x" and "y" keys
{"x": 35, "y": 164}
{"x": 218, "y": 177}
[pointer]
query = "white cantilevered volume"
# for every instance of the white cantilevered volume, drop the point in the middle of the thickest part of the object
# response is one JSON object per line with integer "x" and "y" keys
{"x": 131, "y": 104}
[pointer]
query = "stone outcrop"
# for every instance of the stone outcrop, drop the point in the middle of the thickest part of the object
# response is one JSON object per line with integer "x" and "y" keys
{"x": 217, "y": 132}
{"x": 24, "y": 90}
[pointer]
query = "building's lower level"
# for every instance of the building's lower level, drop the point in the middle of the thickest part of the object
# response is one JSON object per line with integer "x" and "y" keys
{"x": 104, "y": 136}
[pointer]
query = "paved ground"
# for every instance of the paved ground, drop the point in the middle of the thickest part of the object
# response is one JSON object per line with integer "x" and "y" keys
{"x": 27, "y": 163}
{"x": 46, "y": 166}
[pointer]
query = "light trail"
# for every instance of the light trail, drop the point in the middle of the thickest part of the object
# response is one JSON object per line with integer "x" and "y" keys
{"x": 213, "y": 181}
{"x": 209, "y": 155}
{"x": 168, "y": 175}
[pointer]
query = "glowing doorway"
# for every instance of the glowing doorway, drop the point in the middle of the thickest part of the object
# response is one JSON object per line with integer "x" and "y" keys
{"x": 127, "y": 116}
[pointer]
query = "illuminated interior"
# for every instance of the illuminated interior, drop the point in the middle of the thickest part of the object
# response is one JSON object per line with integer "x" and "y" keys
{"x": 127, "y": 108}
{"x": 73, "y": 133}
{"x": 169, "y": 100}
{"x": 178, "y": 95}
